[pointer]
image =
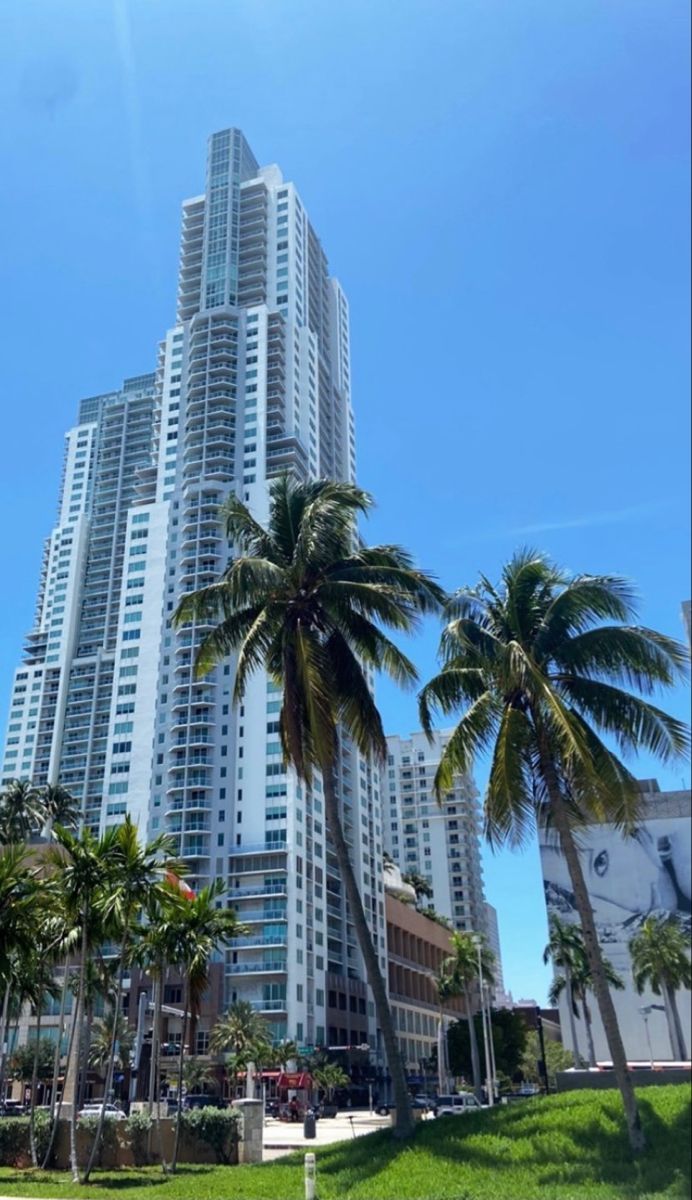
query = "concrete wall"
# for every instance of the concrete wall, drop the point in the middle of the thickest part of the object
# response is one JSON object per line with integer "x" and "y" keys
{"x": 569, "y": 1081}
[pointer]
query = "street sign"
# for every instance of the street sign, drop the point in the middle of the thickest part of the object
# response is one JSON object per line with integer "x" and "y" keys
{"x": 306, "y": 1049}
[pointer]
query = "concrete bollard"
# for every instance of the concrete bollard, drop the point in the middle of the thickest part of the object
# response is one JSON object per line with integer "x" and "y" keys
{"x": 251, "y": 1144}
{"x": 309, "y": 1177}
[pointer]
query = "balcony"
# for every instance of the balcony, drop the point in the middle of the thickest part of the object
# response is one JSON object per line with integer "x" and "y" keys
{"x": 276, "y": 967}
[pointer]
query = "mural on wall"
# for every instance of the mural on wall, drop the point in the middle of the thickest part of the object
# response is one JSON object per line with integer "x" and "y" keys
{"x": 629, "y": 878}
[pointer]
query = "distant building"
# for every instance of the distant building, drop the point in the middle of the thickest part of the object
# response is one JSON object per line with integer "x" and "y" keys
{"x": 440, "y": 842}
{"x": 416, "y": 947}
{"x": 501, "y": 998}
{"x": 629, "y": 878}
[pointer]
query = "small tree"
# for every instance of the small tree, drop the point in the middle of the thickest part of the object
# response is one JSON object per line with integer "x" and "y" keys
{"x": 557, "y": 1058}
{"x": 329, "y": 1077}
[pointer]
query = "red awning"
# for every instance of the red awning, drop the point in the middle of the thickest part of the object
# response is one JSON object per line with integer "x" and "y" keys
{"x": 298, "y": 1080}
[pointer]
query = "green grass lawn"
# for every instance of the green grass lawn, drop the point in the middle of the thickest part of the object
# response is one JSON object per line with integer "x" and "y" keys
{"x": 570, "y": 1147}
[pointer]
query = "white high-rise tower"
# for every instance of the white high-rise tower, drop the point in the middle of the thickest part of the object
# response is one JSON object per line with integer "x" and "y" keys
{"x": 252, "y": 380}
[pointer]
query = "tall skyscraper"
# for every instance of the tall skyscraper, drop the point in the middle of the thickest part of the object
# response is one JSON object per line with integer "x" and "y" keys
{"x": 439, "y": 842}
{"x": 252, "y": 380}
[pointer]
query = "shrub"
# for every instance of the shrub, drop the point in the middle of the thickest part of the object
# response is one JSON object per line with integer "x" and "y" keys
{"x": 137, "y": 1126}
{"x": 14, "y": 1140}
{"x": 88, "y": 1126}
{"x": 218, "y": 1127}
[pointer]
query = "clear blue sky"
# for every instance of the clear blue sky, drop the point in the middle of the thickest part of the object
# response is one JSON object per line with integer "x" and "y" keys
{"x": 503, "y": 190}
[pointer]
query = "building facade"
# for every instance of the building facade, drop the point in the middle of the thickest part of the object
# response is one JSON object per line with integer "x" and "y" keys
{"x": 440, "y": 842}
{"x": 251, "y": 380}
{"x": 629, "y": 878}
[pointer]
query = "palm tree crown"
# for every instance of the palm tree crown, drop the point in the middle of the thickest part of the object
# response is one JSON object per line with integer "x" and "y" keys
{"x": 660, "y": 956}
{"x": 305, "y": 602}
{"x": 539, "y": 671}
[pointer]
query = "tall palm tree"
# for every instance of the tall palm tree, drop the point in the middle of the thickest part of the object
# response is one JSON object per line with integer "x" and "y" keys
{"x": 565, "y": 950}
{"x": 199, "y": 930}
{"x": 21, "y": 812}
{"x": 581, "y": 984}
{"x": 446, "y": 986}
{"x": 60, "y": 807}
{"x": 660, "y": 960}
{"x": 462, "y": 968}
{"x": 84, "y": 870}
{"x": 542, "y": 680}
{"x": 140, "y": 880}
{"x": 305, "y": 602}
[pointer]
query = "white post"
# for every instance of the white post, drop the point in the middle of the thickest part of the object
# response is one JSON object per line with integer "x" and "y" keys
{"x": 490, "y": 1037}
{"x": 370, "y": 1098}
{"x": 309, "y": 1177}
{"x": 489, "y": 1089}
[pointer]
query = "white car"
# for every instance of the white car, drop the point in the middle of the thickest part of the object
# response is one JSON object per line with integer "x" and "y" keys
{"x": 111, "y": 1111}
{"x": 449, "y": 1106}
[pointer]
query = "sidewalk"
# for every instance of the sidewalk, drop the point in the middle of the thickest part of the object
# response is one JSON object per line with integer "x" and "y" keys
{"x": 282, "y": 1137}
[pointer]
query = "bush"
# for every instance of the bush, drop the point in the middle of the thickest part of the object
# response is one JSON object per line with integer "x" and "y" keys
{"x": 14, "y": 1140}
{"x": 137, "y": 1126}
{"x": 218, "y": 1127}
{"x": 88, "y": 1126}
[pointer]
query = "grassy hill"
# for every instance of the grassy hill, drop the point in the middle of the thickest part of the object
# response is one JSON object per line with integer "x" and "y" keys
{"x": 569, "y": 1147}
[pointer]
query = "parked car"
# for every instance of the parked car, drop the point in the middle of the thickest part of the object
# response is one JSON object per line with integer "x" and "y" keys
{"x": 450, "y": 1106}
{"x": 93, "y": 1109}
{"x": 12, "y": 1108}
{"x": 422, "y": 1101}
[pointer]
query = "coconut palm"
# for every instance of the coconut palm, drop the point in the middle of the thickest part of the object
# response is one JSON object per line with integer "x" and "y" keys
{"x": 660, "y": 960}
{"x": 18, "y": 896}
{"x": 21, "y": 812}
{"x": 306, "y": 603}
{"x": 60, "y": 807}
{"x": 578, "y": 981}
{"x": 462, "y": 967}
{"x": 140, "y": 880}
{"x": 198, "y": 1075}
{"x": 108, "y": 1029}
{"x": 542, "y": 680}
{"x": 565, "y": 950}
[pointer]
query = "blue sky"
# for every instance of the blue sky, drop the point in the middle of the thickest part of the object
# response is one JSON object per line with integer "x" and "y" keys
{"x": 502, "y": 189}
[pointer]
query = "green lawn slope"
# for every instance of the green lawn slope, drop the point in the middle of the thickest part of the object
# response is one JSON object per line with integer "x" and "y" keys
{"x": 569, "y": 1147}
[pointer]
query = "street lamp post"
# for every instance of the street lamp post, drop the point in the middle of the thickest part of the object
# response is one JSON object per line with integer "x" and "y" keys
{"x": 490, "y": 1038}
{"x": 478, "y": 943}
{"x": 646, "y": 1012}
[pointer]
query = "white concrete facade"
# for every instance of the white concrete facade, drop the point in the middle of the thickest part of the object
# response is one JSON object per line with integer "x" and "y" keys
{"x": 252, "y": 379}
{"x": 441, "y": 842}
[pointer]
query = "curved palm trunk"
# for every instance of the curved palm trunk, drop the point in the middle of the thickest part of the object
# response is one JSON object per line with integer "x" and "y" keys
{"x": 61, "y": 1027}
{"x": 589, "y": 1030}
{"x": 55, "y": 1118}
{"x": 404, "y": 1125}
{"x": 108, "y": 1083}
{"x": 473, "y": 1040}
{"x": 34, "y": 1081}
{"x": 569, "y": 995}
{"x": 181, "y": 1068}
{"x": 600, "y": 986}
{"x": 677, "y": 1038}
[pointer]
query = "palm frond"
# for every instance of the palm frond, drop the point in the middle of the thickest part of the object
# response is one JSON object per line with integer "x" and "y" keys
{"x": 510, "y": 807}
{"x": 634, "y": 723}
{"x": 641, "y": 658}
{"x": 473, "y": 734}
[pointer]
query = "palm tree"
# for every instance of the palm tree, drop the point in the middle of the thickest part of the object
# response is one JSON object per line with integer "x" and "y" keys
{"x": 660, "y": 959}
{"x": 199, "y": 929}
{"x": 18, "y": 894}
{"x": 462, "y": 968}
{"x": 21, "y": 812}
{"x": 565, "y": 950}
{"x": 305, "y": 602}
{"x": 84, "y": 871}
{"x": 580, "y": 985}
{"x": 109, "y": 1029}
{"x": 447, "y": 987}
{"x": 140, "y": 881}
{"x": 330, "y": 1077}
{"x": 241, "y": 1027}
{"x": 419, "y": 884}
{"x": 59, "y": 806}
{"x": 197, "y": 1075}
{"x": 542, "y": 680}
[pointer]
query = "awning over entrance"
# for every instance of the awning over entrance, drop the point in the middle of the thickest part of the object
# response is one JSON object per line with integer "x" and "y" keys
{"x": 298, "y": 1080}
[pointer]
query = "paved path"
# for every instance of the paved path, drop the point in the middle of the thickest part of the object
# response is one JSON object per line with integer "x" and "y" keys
{"x": 283, "y": 1137}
